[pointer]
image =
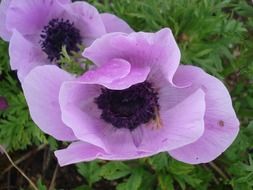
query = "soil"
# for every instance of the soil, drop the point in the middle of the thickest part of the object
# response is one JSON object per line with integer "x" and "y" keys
{"x": 42, "y": 165}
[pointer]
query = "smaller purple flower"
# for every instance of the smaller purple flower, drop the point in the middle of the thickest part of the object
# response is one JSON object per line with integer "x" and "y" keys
{"x": 4, "y": 33}
{"x": 3, "y": 103}
{"x": 136, "y": 102}
{"x": 39, "y": 29}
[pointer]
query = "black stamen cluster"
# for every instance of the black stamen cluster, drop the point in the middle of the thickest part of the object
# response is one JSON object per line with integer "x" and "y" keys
{"x": 59, "y": 33}
{"x": 130, "y": 107}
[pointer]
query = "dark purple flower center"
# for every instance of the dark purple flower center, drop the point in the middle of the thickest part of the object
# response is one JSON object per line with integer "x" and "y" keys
{"x": 130, "y": 107}
{"x": 59, "y": 33}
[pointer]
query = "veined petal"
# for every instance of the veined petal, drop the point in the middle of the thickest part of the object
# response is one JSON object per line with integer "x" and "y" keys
{"x": 4, "y": 33}
{"x": 78, "y": 152}
{"x": 24, "y": 55}
{"x": 82, "y": 152}
{"x": 158, "y": 51}
{"x": 30, "y": 16}
{"x": 82, "y": 115}
{"x": 178, "y": 126}
{"x": 79, "y": 112}
{"x": 115, "y": 24}
{"x": 117, "y": 74}
{"x": 41, "y": 88}
{"x": 221, "y": 123}
{"x": 115, "y": 69}
{"x": 86, "y": 18}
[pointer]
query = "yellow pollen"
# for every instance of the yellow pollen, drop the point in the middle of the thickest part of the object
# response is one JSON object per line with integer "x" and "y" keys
{"x": 158, "y": 120}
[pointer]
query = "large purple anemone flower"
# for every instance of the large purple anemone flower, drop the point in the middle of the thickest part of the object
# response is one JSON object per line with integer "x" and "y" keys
{"x": 39, "y": 29}
{"x": 136, "y": 102}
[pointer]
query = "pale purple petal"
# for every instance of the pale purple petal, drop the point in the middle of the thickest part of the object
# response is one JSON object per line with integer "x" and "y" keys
{"x": 119, "y": 141}
{"x": 221, "y": 123}
{"x": 81, "y": 114}
{"x": 82, "y": 152}
{"x": 158, "y": 51}
{"x": 178, "y": 126}
{"x": 86, "y": 18}
{"x": 30, "y": 16}
{"x": 65, "y": 1}
{"x": 115, "y": 24}
{"x": 115, "y": 69}
{"x": 41, "y": 88}
{"x": 136, "y": 75}
{"x": 78, "y": 152}
{"x": 117, "y": 74}
{"x": 24, "y": 55}
{"x": 4, "y": 33}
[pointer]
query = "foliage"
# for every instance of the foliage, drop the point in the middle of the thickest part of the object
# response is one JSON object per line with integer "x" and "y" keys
{"x": 215, "y": 35}
{"x": 17, "y": 130}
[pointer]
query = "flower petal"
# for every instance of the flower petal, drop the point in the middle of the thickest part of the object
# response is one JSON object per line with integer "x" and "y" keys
{"x": 81, "y": 114}
{"x": 23, "y": 15}
{"x": 115, "y": 24}
{"x": 115, "y": 69}
{"x": 79, "y": 111}
{"x": 180, "y": 125}
{"x": 221, "y": 123}
{"x": 136, "y": 75}
{"x": 117, "y": 74}
{"x": 158, "y": 51}
{"x": 86, "y": 18}
{"x": 24, "y": 55}
{"x": 41, "y": 88}
{"x": 4, "y": 33}
{"x": 78, "y": 152}
{"x": 81, "y": 152}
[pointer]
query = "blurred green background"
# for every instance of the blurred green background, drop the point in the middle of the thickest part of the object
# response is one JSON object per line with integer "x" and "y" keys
{"x": 215, "y": 35}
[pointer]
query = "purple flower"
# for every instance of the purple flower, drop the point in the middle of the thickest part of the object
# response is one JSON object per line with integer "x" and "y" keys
{"x": 3, "y": 103}
{"x": 38, "y": 29}
{"x": 5, "y": 34}
{"x": 137, "y": 102}
{"x": 6, "y": 27}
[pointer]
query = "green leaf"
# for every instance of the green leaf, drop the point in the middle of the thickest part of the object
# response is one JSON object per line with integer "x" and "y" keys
{"x": 165, "y": 182}
{"x": 115, "y": 170}
{"x": 159, "y": 162}
{"x": 40, "y": 185}
{"x": 133, "y": 182}
{"x": 180, "y": 168}
{"x": 52, "y": 143}
{"x": 90, "y": 171}
{"x": 83, "y": 187}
